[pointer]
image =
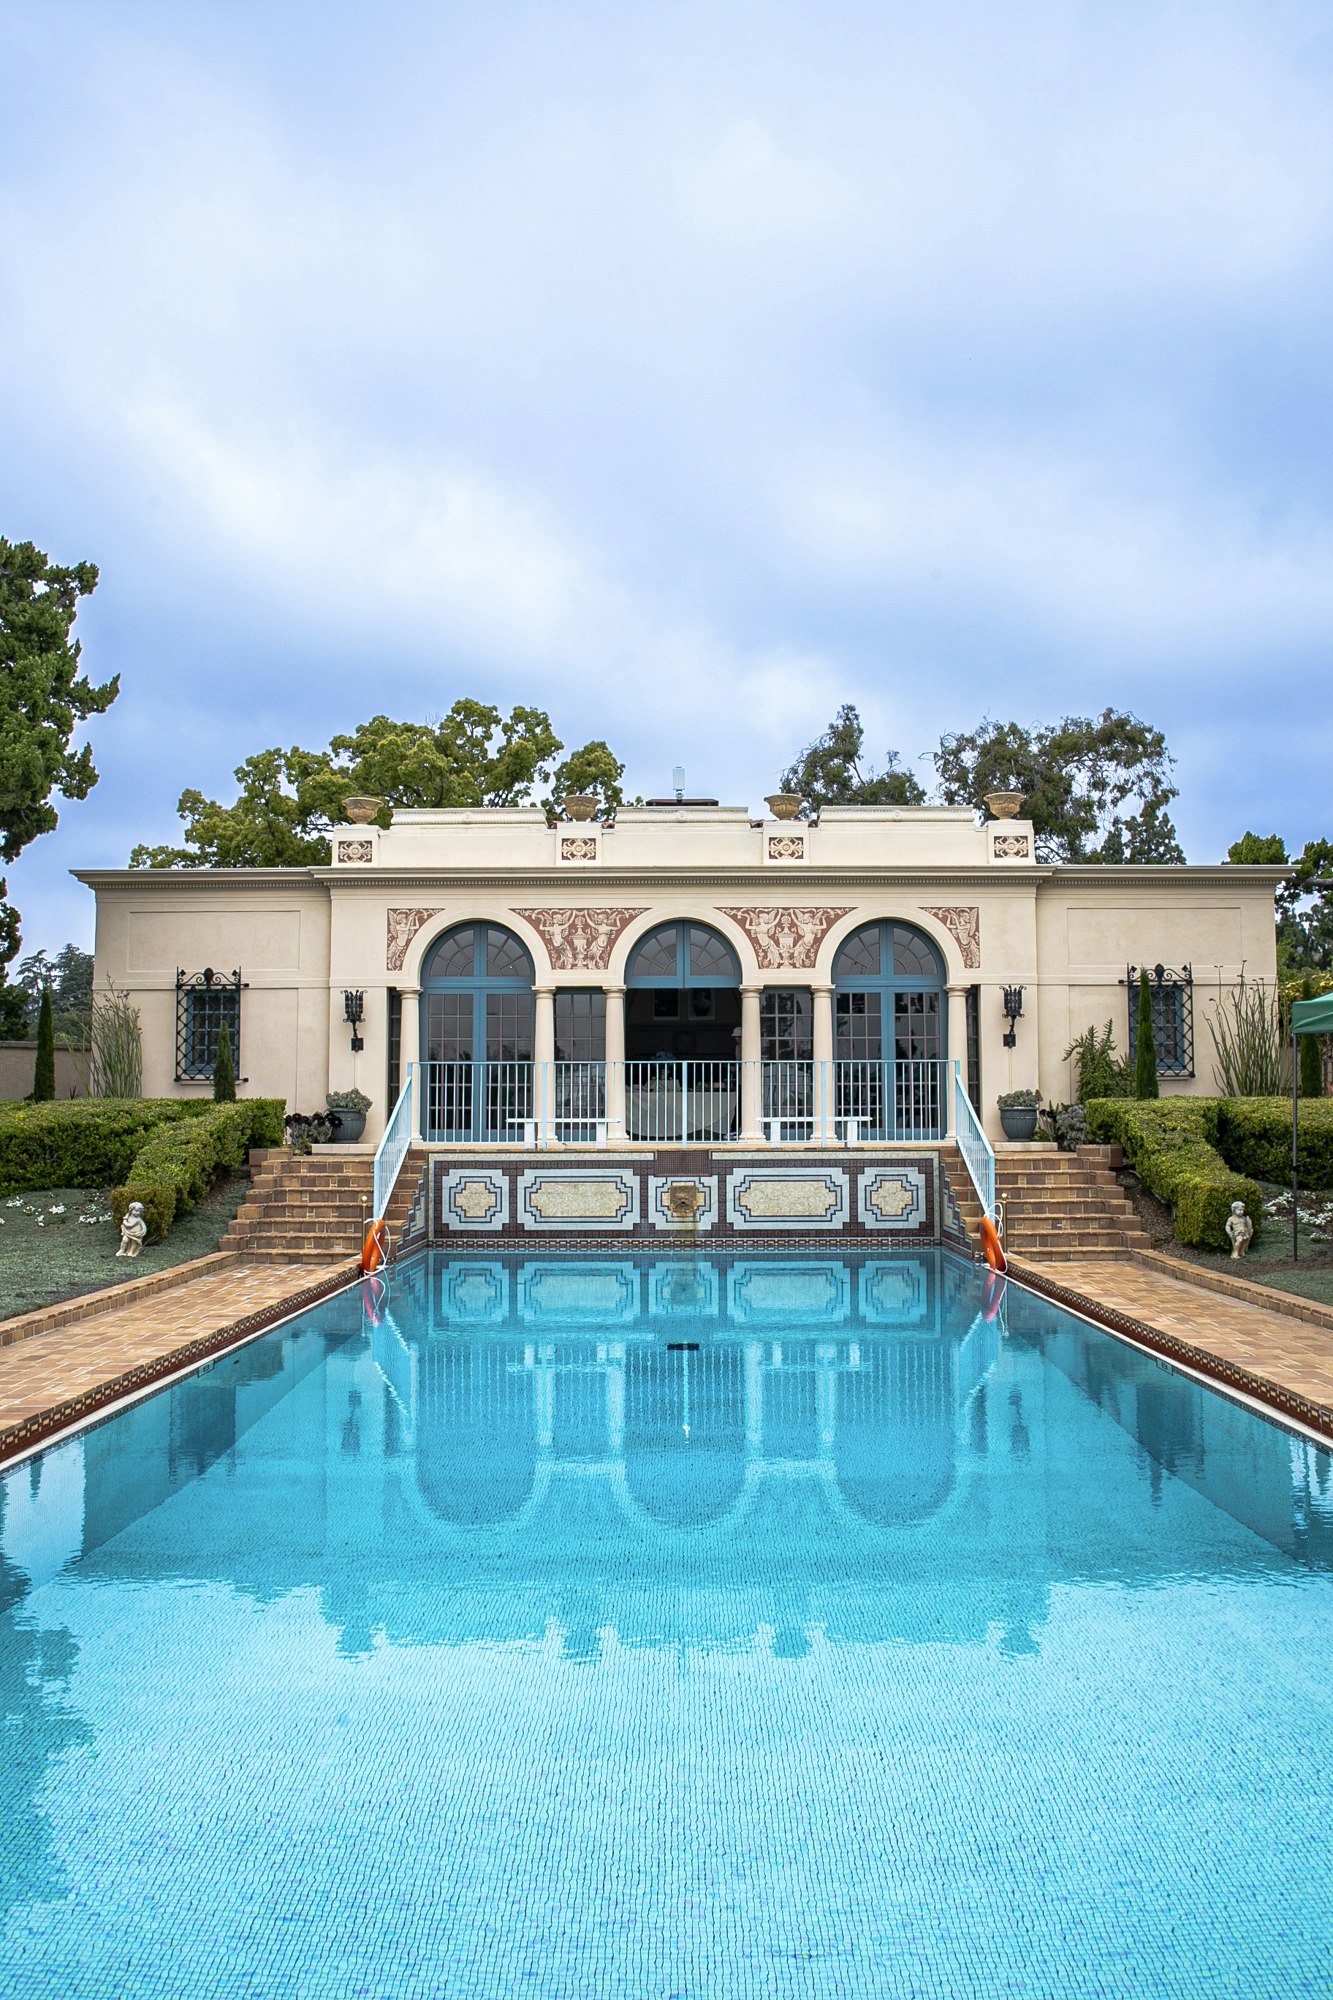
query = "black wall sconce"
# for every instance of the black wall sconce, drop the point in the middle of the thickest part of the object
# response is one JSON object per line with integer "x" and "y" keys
{"x": 353, "y": 1007}
{"x": 1013, "y": 1008}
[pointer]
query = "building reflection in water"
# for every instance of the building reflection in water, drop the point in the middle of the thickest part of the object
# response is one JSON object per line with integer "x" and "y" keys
{"x": 700, "y": 1450}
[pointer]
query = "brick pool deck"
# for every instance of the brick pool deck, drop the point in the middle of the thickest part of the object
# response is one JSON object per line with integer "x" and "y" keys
{"x": 58, "y": 1377}
{"x": 55, "y": 1376}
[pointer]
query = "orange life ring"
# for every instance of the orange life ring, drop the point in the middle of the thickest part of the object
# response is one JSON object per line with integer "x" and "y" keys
{"x": 374, "y": 1294}
{"x": 991, "y": 1244}
{"x": 994, "y": 1296}
{"x": 375, "y": 1248}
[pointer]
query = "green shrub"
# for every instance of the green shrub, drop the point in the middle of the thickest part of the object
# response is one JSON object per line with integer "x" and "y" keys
{"x": 1254, "y": 1135}
{"x": 1171, "y": 1144}
{"x": 1098, "y": 1070}
{"x": 224, "y": 1069}
{"x": 1145, "y": 1049}
{"x": 179, "y": 1161}
{"x": 44, "y": 1075}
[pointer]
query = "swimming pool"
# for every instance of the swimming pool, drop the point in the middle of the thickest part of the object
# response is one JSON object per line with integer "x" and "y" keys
{"x": 777, "y": 1626}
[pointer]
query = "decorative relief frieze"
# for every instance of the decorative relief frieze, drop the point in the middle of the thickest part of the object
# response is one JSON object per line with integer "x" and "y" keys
{"x": 403, "y": 926}
{"x": 787, "y": 938}
{"x": 785, "y": 847}
{"x": 1011, "y": 847}
{"x": 356, "y": 850}
{"x": 579, "y": 940}
{"x": 578, "y": 847}
{"x": 963, "y": 923}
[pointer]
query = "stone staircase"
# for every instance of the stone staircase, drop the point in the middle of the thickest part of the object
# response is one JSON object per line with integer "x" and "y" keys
{"x": 314, "y": 1206}
{"x": 1059, "y": 1207}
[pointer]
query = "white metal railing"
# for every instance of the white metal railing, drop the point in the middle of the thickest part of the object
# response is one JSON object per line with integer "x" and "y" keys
{"x": 973, "y": 1144}
{"x": 394, "y": 1147}
{"x": 875, "y": 1099}
{"x": 668, "y": 1101}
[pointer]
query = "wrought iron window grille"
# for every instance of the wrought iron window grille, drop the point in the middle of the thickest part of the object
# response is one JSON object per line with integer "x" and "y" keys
{"x": 204, "y": 1000}
{"x": 1172, "y": 999}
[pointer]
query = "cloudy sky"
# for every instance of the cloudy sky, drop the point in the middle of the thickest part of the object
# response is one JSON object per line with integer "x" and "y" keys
{"x": 686, "y": 369}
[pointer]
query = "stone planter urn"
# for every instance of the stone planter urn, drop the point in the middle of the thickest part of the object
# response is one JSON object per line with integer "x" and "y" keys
{"x": 580, "y": 805}
{"x": 1005, "y": 805}
{"x": 785, "y": 805}
{"x": 361, "y": 811}
{"x": 1018, "y": 1121}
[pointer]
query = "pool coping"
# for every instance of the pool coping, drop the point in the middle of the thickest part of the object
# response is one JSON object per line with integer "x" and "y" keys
{"x": 1288, "y": 1405}
{"x": 57, "y": 1420}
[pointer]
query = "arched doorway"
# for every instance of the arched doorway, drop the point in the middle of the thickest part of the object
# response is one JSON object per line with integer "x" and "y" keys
{"x": 889, "y": 1021}
{"x": 682, "y": 1035}
{"x": 476, "y": 1035}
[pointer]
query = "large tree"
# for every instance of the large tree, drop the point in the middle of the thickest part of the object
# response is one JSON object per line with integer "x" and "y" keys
{"x": 1304, "y": 907}
{"x": 473, "y": 756}
{"x": 43, "y": 699}
{"x": 830, "y": 772}
{"x": 1097, "y": 788}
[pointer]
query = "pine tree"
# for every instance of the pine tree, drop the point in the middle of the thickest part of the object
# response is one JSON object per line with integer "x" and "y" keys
{"x": 1312, "y": 1061}
{"x": 224, "y": 1069}
{"x": 44, "y": 1077}
{"x": 1145, "y": 1054}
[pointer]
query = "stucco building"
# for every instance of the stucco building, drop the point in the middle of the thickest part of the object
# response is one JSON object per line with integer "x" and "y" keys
{"x": 683, "y": 973}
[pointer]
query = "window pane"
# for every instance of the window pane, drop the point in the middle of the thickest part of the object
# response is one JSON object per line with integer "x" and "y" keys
{"x": 709, "y": 957}
{"x": 913, "y": 956}
{"x": 505, "y": 956}
{"x": 656, "y": 957}
{"x": 858, "y": 1029}
{"x": 580, "y": 1026}
{"x": 454, "y": 956}
{"x": 785, "y": 1023}
{"x": 859, "y": 958}
{"x": 508, "y": 1027}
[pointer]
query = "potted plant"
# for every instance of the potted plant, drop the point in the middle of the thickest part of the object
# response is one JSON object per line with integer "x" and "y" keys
{"x": 351, "y": 1107}
{"x": 1018, "y": 1113}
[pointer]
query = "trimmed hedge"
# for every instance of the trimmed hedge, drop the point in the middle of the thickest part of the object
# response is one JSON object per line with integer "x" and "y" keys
{"x": 1171, "y": 1143}
{"x": 1254, "y": 1134}
{"x": 163, "y": 1152}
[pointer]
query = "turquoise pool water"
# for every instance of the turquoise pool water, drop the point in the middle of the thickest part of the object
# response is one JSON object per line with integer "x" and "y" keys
{"x": 615, "y": 1627}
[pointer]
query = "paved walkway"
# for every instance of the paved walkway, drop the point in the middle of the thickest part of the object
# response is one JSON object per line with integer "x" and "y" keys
{"x": 56, "y": 1377}
{"x": 1293, "y": 1354}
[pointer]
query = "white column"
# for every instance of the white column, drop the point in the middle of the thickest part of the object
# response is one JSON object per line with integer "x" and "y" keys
{"x": 615, "y": 1063}
{"x": 543, "y": 1057}
{"x": 821, "y": 1024}
{"x": 956, "y": 1040}
{"x": 409, "y": 1046}
{"x": 751, "y": 1043}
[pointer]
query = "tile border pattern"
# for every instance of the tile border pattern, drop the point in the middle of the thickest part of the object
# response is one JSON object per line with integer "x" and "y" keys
{"x": 15, "y": 1439}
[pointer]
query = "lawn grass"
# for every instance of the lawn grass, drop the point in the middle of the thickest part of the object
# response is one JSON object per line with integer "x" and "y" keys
{"x": 46, "y": 1256}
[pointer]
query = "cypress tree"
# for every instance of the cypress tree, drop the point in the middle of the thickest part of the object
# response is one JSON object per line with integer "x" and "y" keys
{"x": 1145, "y": 1053}
{"x": 44, "y": 1076}
{"x": 1312, "y": 1062}
{"x": 224, "y": 1069}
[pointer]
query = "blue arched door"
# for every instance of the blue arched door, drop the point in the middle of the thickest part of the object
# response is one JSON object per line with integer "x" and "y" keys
{"x": 476, "y": 1035}
{"x": 889, "y": 1019}
{"x": 682, "y": 1035}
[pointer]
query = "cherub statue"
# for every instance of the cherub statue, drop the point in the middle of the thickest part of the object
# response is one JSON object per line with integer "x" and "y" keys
{"x": 133, "y": 1230}
{"x": 1240, "y": 1229}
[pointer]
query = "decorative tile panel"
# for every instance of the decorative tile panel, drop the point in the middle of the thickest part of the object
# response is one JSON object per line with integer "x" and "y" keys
{"x": 1011, "y": 847}
{"x": 474, "y": 1294}
{"x": 683, "y": 1203}
{"x": 578, "y": 846}
{"x": 788, "y": 937}
{"x": 580, "y": 940}
{"x": 893, "y": 1293}
{"x": 474, "y": 1199}
{"x": 963, "y": 923}
{"x": 892, "y": 1198}
{"x": 574, "y": 1198}
{"x": 797, "y": 1198}
{"x": 785, "y": 847}
{"x": 403, "y": 926}
{"x": 356, "y": 850}
{"x": 572, "y": 1294}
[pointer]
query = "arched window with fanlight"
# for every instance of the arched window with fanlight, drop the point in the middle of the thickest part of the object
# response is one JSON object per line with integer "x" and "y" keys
{"x": 476, "y": 1034}
{"x": 889, "y": 1019}
{"x": 684, "y": 1004}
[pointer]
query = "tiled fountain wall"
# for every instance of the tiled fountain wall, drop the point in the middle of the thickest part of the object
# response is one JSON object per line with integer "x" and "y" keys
{"x": 888, "y": 1198}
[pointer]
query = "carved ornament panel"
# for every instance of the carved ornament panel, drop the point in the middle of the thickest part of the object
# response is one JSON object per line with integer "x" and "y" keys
{"x": 787, "y": 937}
{"x": 963, "y": 923}
{"x": 579, "y": 940}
